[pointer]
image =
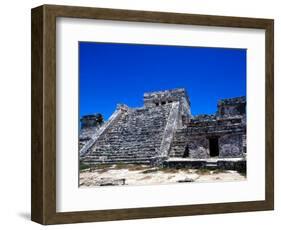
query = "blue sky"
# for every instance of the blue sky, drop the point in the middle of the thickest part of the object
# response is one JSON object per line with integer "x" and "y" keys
{"x": 111, "y": 73}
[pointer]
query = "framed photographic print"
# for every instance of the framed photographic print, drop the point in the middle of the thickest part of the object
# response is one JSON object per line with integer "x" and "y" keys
{"x": 140, "y": 114}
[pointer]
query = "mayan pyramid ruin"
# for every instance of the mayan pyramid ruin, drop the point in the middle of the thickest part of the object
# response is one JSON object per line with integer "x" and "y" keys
{"x": 164, "y": 131}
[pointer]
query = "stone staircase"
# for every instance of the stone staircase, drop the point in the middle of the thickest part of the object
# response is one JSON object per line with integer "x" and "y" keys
{"x": 134, "y": 138}
{"x": 211, "y": 165}
{"x": 178, "y": 143}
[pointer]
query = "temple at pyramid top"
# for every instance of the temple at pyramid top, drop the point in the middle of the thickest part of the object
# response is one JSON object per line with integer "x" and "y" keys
{"x": 166, "y": 96}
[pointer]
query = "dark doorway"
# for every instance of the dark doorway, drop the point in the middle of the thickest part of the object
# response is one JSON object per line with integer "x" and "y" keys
{"x": 186, "y": 152}
{"x": 214, "y": 146}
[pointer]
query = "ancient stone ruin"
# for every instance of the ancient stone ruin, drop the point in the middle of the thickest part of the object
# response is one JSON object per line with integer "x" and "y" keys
{"x": 164, "y": 132}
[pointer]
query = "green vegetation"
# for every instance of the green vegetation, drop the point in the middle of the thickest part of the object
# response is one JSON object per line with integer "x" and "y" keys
{"x": 121, "y": 166}
{"x": 217, "y": 171}
{"x": 164, "y": 170}
{"x": 101, "y": 166}
{"x": 137, "y": 167}
{"x": 168, "y": 170}
{"x": 105, "y": 167}
{"x": 152, "y": 170}
{"x": 203, "y": 171}
{"x": 83, "y": 166}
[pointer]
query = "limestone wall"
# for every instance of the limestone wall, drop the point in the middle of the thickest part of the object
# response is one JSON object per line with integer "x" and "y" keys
{"x": 232, "y": 107}
{"x": 231, "y": 145}
{"x": 230, "y": 133}
{"x": 167, "y": 96}
{"x": 198, "y": 147}
{"x": 86, "y": 134}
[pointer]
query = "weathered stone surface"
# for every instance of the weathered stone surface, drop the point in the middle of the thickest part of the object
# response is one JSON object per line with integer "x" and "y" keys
{"x": 232, "y": 107}
{"x": 198, "y": 147}
{"x": 165, "y": 128}
{"x": 135, "y": 137}
{"x": 230, "y": 132}
{"x": 101, "y": 130}
{"x": 238, "y": 164}
{"x": 169, "y": 131}
{"x": 194, "y": 164}
{"x": 86, "y": 135}
{"x": 231, "y": 145}
{"x": 93, "y": 120}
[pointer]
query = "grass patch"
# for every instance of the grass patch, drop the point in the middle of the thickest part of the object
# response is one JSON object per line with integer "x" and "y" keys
{"x": 130, "y": 167}
{"x": 163, "y": 170}
{"x": 118, "y": 166}
{"x": 217, "y": 171}
{"x": 121, "y": 166}
{"x": 101, "y": 167}
{"x": 83, "y": 166}
{"x": 101, "y": 170}
{"x": 152, "y": 170}
{"x": 203, "y": 171}
{"x": 137, "y": 167}
{"x": 169, "y": 170}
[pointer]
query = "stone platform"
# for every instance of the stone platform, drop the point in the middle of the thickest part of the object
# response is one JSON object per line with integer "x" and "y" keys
{"x": 237, "y": 164}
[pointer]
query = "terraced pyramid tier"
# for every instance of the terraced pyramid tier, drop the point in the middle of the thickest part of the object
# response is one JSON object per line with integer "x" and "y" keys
{"x": 135, "y": 137}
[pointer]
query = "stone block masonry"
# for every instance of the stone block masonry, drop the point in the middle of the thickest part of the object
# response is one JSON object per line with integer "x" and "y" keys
{"x": 134, "y": 138}
{"x": 164, "y": 128}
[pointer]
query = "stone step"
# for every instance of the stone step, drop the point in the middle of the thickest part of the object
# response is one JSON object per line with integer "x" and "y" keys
{"x": 211, "y": 165}
{"x": 136, "y": 136}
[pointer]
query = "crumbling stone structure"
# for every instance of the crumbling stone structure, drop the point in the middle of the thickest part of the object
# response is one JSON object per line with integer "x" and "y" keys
{"x": 89, "y": 125}
{"x": 164, "y": 131}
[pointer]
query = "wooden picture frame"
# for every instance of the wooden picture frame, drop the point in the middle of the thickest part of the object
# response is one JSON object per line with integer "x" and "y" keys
{"x": 43, "y": 202}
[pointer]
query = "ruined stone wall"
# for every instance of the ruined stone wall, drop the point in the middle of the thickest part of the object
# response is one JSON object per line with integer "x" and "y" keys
{"x": 198, "y": 147}
{"x": 86, "y": 134}
{"x": 231, "y": 135}
{"x": 89, "y": 121}
{"x": 89, "y": 125}
{"x": 167, "y": 96}
{"x": 231, "y": 145}
{"x": 232, "y": 107}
